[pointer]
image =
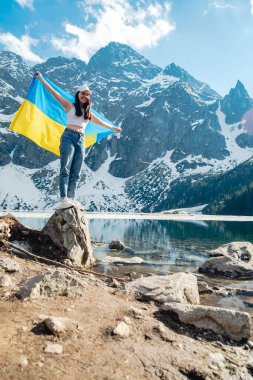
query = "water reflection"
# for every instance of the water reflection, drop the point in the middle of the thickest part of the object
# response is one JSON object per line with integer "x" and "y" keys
{"x": 164, "y": 245}
{"x": 181, "y": 245}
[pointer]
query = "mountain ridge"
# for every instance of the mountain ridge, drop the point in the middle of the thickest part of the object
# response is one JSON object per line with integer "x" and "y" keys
{"x": 175, "y": 129}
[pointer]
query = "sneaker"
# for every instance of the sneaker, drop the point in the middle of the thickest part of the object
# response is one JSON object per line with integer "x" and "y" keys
{"x": 76, "y": 204}
{"x": 66, "y": 203}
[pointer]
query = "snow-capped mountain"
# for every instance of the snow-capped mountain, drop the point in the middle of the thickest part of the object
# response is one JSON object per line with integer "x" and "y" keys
{"x": 176, "y": 131}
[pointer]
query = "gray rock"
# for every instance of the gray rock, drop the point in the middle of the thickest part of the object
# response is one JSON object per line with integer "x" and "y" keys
{"x": 178, "y": 287}
{"x": 9, "y": 265}
{"x": 122, "y": 330}
{"x": 114, "y": 283}
{"x": 51, "y": 284}
{"x": 218, "y": 360}
{"x": 4, "y": 231}
{"x": 5, "y": 281}
{"x": 23, "y": 361}
{"x": 58, "y": 325}
{"x": 116, "y": 244}
{"x": 241, "y": 250}
{"x": 226, "y": 266}
{"x": 53, "y": 348}
{"x": 203, "y": 287}
{"x": 137, "y": 313}
{"x": 132, "y": 260}
{"x": 68, "y": 229}
{"x": 235, "y": 325}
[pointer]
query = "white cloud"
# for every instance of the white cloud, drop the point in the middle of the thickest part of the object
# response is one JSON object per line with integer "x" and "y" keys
{"x": 251, "y": 6}
{"x": 26, "y": 3}
{"x": 140, "y": 25}
{"x": 220, "y": 5}
{"x": 21, "y": 47}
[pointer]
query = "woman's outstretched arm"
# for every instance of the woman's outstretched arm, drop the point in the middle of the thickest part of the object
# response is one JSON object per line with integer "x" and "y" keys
{"x": 98, "y": 121}
{"x": 64, "y": 102}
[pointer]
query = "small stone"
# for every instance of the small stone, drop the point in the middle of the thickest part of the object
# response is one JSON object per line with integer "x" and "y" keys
{"x": 122, "y": 330}
{"x": 5, "y": 281}
{"x": 40, "y": 364}
{"x": 218, "y": 360}
{"x": 68, "y": 262}
{"x": 58, "y": 325}
{"x": 203, "y": 287}
{"x": 127, "y": 320}
{"x": 115, "y": 284}
{"x": 116, "y": 244}
{"x": 52, "y": 348}
{"x": 9, "y": 265}
{"x": 23, "y": 329}
{"x": 136, "y": 312}
{"x": 160, "y": 328}
{"x": 23, "y": 361}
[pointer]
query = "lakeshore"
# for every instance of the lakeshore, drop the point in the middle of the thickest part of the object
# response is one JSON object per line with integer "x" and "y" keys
{"x": 179, "y": 216}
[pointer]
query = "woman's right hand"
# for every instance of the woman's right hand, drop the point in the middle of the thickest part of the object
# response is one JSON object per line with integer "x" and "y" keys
{"x": 38, "y": 75}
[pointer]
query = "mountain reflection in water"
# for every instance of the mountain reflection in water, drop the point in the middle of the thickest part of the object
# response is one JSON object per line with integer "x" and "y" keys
{"x": 165, "y": 245}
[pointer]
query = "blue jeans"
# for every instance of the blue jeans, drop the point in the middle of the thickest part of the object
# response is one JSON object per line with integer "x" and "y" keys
{"x": 72, "y": 155}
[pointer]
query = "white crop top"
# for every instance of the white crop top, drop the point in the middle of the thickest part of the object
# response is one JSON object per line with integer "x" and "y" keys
{"x": 76, "y": 120}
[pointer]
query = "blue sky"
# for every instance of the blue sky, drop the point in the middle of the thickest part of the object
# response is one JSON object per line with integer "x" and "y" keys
{"x": 211, "y": 39}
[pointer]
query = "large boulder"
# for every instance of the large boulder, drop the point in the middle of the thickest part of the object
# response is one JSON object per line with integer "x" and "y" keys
{"x": 241, "y": 250}
{"x": 233, "y": 324}
{"x": 178, "y": 287}
{"x": 50, "y": 284}
{"x": 68, "y": 229}
{"x": 226, "y": 266}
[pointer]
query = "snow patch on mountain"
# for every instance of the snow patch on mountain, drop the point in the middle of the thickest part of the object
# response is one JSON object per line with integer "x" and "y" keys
{"x": 17, "y": 191}
{"x": 230, "y": 132}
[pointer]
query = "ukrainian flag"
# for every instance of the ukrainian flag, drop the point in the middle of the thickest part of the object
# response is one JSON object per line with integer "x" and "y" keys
{"x": 42, "y": 119}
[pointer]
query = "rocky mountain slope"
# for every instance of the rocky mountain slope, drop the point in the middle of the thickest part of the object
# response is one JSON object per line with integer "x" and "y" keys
{"x": 176, "y": 131}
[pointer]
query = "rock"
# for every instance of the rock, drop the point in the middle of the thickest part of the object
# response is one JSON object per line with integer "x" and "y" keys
{"x": 226, "y": 266}
{"x": 233, "y": 324}
{"x": 203, "y": 287}
{"x": 51, "y": 284}
{"x": 132, "y": 260}
{"x": 58, "y": 325}
{"x": 122, "y": 330}
{"x": 127, "y": 320}
{"x": 136, "y": 312}
{"x": 114, "y": 283}
{"x": 68, "y": 229}
{"x": 23, "y": 361}
{"x": 53, "y": 348}
{"x": 4, "y": 231}
{"x": 116, "y": 244}
{"x": 5, "y": 281}
{"x": 241, "y": 250}
{"x": 9, "y": 265}
{"x": 218, "y": 360}
{"x": 178, "y": 287}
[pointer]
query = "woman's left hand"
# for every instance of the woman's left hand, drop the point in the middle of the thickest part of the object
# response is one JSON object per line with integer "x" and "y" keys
{"x": 119, "y": 130}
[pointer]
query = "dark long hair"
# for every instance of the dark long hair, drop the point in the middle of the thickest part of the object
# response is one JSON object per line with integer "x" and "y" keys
{"x": 86, "y": 107}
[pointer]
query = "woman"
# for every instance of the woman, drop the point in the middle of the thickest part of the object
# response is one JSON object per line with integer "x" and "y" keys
{"x": 72, "y": 140}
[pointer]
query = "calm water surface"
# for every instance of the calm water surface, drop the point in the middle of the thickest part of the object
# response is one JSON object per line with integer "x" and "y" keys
{"x": 166, "y": 246}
